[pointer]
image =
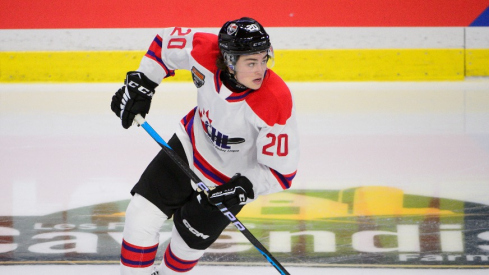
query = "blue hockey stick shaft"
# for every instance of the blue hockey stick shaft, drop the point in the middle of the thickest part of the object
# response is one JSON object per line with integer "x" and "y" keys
{"x": 232, "y": 218}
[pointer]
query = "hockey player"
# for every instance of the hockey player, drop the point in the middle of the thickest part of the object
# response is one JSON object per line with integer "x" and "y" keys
{"x": 241, "y": 138}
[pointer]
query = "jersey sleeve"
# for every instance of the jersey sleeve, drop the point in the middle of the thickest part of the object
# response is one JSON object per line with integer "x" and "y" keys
{"x": 278, "y": 156}
{"x": 170, "y": 50}
{"x": 277, "y": 144}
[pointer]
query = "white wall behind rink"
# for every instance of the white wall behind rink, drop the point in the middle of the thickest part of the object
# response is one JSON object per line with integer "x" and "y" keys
{"x": 282, "y": 38}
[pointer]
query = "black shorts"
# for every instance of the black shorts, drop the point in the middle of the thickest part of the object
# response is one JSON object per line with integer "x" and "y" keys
{"x": 165, "y": 185}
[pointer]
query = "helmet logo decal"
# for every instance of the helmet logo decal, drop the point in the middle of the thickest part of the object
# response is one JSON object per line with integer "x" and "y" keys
{"x": 252, "y": 28}
{"x": 232, "y": 28}
{"x": 257, "y": 44}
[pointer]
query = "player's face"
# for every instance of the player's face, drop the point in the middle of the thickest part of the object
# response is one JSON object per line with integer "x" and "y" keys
{"x": 250, "y": 69}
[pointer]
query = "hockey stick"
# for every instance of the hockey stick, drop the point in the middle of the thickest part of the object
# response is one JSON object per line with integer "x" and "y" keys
{"x": 186, "y": 169}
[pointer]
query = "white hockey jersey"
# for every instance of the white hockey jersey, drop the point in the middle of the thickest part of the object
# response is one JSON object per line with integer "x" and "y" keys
{"x": 253, "y": 133}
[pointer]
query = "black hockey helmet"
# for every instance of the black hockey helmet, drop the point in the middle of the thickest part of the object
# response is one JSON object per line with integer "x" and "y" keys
{"x": 243, "y": 36}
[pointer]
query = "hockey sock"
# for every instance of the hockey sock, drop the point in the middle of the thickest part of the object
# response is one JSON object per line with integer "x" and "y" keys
{"x": 176, "y": 264}
{"x": 179, "y": 257}
{"x": 137, "y": 256}
{"x": 140, "y": 237}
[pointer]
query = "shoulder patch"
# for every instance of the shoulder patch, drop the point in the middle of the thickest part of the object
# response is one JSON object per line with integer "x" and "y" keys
{"x": 197, "y": 77}
{"x": 273, "y": 101}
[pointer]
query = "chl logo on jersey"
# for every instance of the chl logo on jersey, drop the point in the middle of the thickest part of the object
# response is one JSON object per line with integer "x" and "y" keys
{"x": 197, "y": 77}
{"x": 219, "y": 139}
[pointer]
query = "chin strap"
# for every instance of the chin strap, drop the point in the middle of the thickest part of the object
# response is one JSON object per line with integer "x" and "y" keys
{"x": 230, "y": 81}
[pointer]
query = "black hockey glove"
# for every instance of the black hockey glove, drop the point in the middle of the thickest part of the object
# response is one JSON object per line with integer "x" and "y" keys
{"x": 133, "y": 98}
{"x": 235, "y": 192}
